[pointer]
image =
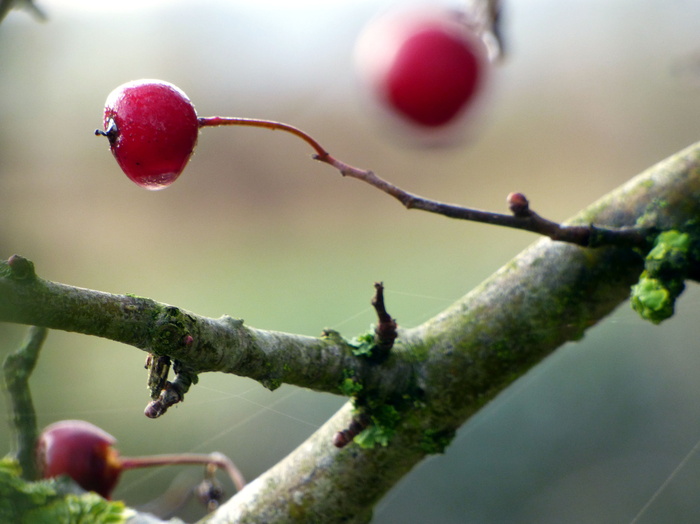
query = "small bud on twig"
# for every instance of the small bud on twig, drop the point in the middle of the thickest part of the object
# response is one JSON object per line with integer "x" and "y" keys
{"x": 172, "y": 392}
{"x": 357, "y": 425}
{"x": 22, "y": 269}
{"x": 518, "y": 205}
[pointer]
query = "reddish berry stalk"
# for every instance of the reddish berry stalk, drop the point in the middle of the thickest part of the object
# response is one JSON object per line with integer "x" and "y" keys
{"x": 215, "y": 121}
{"x": 152, "y": 129}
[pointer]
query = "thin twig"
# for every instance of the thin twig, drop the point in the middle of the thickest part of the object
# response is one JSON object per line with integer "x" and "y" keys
{"x": 587, "y": 236}
{"x": 385, "y": 332}
{"x": 17, "y": 368}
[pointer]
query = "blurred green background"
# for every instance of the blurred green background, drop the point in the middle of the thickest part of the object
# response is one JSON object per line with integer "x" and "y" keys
{"x": 590, "y": 94}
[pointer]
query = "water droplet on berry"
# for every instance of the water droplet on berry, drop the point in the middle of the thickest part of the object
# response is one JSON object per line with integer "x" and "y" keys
{"x": 152, "y": 129}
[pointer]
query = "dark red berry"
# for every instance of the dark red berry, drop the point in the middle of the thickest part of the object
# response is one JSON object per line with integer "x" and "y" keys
{"x": 425, "y": 64}
{"x": 152, "y": 128}
{"x": 82, "y": 451}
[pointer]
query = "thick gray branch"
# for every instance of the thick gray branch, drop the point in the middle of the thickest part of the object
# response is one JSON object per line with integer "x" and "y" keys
{"x": 442, "y": 371}
{"x": 199, "y": 344}
{"x": 548, "y": 295}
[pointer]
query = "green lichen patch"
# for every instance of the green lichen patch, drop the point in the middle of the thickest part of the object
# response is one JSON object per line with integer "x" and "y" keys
{"x": 350, "y": 386}
{"x": 669, "y": 240}
{"x": 384, "y": 420}
{"x": 652, "y": 300}
{"x": 435, "y": 441}
{"x": 363, "y": 345}
{"x": 171, "y": 331}
{"x": 332, "y": 336}
{"x": 271, "y": 383}
{"x": 372, "y": 436}
{"x": 666, "y": 267}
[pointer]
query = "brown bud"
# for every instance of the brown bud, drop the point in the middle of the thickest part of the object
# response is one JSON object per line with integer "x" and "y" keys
{"x": 342, "y": 438}
{"x": 22, "y": 269}
{"x": 518, "y": 204}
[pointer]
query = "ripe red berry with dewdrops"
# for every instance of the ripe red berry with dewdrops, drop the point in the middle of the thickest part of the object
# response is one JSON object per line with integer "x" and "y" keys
{"x": 424, "y": 66}
{"x": 152, "y": 129}
{"x": 82, "y": 451}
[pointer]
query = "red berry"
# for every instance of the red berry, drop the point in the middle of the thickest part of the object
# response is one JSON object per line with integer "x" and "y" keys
{"x": 152, "y": 129}
{"x": 82, "y": 451}
{"x": 425, "y": 64}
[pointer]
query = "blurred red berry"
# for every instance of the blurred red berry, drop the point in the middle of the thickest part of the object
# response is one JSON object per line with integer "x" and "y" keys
{"x": 425, "y": 65}
{"x": 82, "y": 451}
{"x": 152, "y": 129}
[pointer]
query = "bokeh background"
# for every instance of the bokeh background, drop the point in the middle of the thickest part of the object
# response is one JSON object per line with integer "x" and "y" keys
{"x": 590, "y": 94}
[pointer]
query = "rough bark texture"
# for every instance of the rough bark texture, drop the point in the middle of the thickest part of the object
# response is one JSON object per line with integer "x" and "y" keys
{"x": 548, "y": 295}
{"x": 438, "y": 373}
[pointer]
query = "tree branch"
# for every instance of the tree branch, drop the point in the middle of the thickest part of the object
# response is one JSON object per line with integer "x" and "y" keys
{"x": 17, "y": 368}
{"x": 445, "y": 369}
{"x": 549, "y": 294}
{"x": 522, "y": 218}
{"x": 196, "y": 344}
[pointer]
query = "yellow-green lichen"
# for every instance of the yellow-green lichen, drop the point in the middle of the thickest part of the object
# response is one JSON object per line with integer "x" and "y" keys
{"x": 350, "y": 386}
{"x": 666, "y": 267}
{"x": 652, "y": 300}
{"x": 435, "y": 441}
{"x": 384, "y": 419}
{"x": 363, "y": 345}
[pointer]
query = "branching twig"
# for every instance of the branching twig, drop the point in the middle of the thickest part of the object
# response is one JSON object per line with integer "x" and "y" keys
{"x": 587, "y": 236}
{"x": 17, "y": 369}
{"x": 457, "y": 361}
{"x": 196, "y": 344}
{"x": 385, "y": 332}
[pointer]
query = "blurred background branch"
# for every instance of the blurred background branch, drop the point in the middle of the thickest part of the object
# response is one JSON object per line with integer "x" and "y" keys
{"x": 17, "y": 369}
{"x": 28, "y": 5}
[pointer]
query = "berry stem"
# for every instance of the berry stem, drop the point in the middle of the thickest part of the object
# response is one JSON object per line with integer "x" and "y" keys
{"x": 216, "y": 459}
{"x": 211, "y": 121}
{"x": 587, "y": 236}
